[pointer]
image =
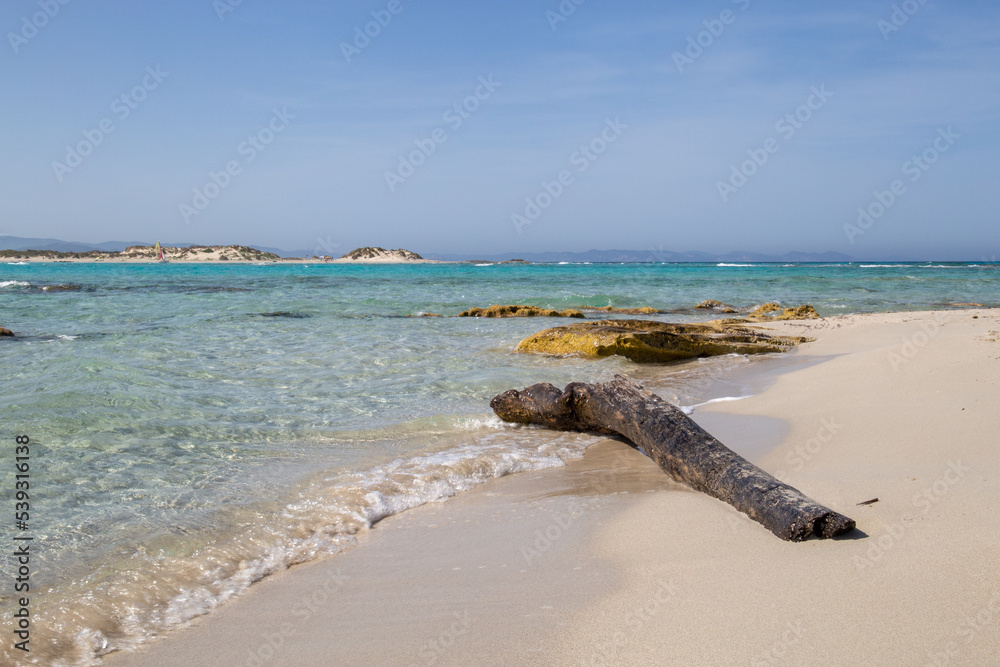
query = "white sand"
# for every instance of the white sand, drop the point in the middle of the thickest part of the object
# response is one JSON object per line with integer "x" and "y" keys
{"x": 906, "y": 410}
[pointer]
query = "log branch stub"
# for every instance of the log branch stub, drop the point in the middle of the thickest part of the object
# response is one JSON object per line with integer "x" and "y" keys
{"x": 678, "y": 445}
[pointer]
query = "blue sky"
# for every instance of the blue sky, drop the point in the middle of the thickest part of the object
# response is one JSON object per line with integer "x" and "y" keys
{"x": 247, "y": 123}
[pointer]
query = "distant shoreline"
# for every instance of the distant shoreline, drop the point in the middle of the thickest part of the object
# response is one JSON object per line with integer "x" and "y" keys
{"x": 237, "y": 254}
{"x": 282, "y": 260}
{"x": 211, "y": 255}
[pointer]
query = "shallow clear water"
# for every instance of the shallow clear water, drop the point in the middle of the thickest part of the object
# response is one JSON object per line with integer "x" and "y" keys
{"x": 196, "y": 427}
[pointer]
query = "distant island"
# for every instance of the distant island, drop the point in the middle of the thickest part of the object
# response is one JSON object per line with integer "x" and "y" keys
{"x": 140, "y": 253}
{"x": 209, "y": 253}
{"x": 375, "y": 254}
{"x": 48, "y": 249}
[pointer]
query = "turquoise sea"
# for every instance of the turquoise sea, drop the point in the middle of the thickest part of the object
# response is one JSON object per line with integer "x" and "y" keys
{"x": 195, "y": 428}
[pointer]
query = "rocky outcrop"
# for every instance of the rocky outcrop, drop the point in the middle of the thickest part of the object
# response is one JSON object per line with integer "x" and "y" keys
{"x": 6, "y": 333}
{"x": 375, "y": 253}
{"x": 646, "y": 341}
{"x": 518, "y": 311}
{"x": 717, "y": 306}
{"x": 764, "y": 313}
{"x": 772, "y": 311}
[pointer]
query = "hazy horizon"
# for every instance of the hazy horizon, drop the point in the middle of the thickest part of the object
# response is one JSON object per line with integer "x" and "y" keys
{"x": 648, "y": 254}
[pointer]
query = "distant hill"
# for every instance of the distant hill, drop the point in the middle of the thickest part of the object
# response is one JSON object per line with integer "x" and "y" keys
{"x": 55, "y": 245}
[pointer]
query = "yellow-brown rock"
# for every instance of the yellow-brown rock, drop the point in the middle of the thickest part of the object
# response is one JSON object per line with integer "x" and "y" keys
{"x": 646, "y": 341}
{"x": 518, "y": 311}
{"x": 772, "y": 311}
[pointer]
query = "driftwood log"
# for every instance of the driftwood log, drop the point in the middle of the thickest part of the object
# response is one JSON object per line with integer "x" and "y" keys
{"x": 678, "y": 445}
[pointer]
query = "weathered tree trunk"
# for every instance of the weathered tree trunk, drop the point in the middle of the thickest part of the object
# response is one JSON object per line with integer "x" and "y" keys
{"x": 679, "y": 446}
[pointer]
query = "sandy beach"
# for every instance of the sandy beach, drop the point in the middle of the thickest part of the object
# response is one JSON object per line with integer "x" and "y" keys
{"x": 608, "y": 562}
{"x": 295, "y": 300}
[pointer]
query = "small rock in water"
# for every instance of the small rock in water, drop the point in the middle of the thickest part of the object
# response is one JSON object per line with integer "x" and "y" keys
{"x": 718, "y": 306}
{"x": 519, "y": 311}
{"x": 284, "y": 313}
{"x": 773, "y": 311}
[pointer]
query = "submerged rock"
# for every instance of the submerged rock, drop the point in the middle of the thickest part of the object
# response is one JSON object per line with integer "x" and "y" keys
{"x": 284, "y": 313}
{"x": 773, "y": 311}
{"x": 6, "y": 333}
{"x": 518, "y": 311}
{"x": 642, "y": 310}
{"x": 718, "y": 306}
{"x": 646, "y": 341}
